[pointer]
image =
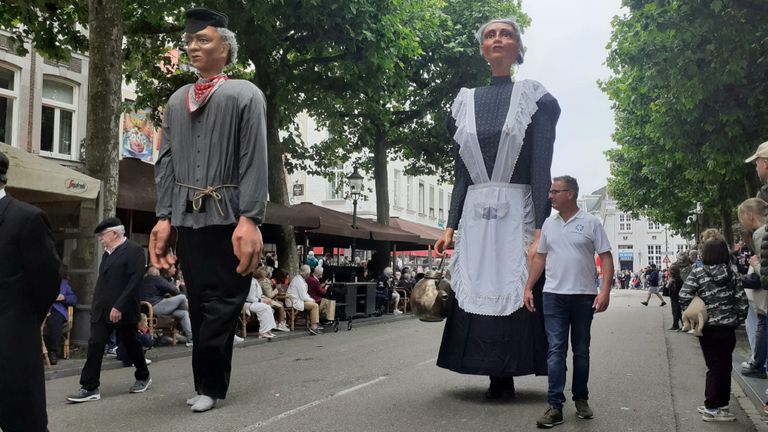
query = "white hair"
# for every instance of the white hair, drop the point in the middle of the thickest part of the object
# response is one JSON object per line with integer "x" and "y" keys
{"x": 230, "y": 39}
{"x": 304, "y": 270}
{"x": 318, "y": 271}
{"x": 518, "y": 35}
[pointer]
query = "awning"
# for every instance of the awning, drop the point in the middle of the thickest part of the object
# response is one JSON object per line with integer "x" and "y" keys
{"x": 136, "y": 191}
{"x": 34, "y": 178}
{"x": 339, "y": 224}
{"x": 427, "y": 234}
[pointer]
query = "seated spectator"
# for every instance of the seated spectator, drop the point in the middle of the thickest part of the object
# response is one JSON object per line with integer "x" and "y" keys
{"x": 144, "y": 338}
{"x": 318, "y": 291}
{"x": 255, "y": 304}
{"x": 279, "y": 277}
{"x": 154, "y": 288}
{"x": 298, "y": 298}
{"x": 385, "y": 292}
{"x": 269, "y": 294}
{"x": 54, "y": 325}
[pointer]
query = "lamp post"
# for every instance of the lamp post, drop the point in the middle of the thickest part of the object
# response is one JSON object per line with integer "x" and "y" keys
{"x": 355, "y": 190}
{"x": 697, "y": 212}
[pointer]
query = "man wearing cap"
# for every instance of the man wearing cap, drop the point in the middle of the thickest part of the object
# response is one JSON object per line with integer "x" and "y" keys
{"x": 115, "y": 306}
{"x": 29, "y": 284}
{"x": 760, "y": 157}
{"x": 211, "y": 177}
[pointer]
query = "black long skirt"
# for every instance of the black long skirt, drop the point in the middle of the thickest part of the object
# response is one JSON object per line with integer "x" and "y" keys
{"x": 503, "y": 346}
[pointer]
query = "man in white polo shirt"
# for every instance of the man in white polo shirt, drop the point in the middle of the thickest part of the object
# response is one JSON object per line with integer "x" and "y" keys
{"x": 568, "y": 244}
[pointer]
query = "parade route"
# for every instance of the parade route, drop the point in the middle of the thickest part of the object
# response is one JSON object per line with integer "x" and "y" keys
{"x": 383, "y": 378}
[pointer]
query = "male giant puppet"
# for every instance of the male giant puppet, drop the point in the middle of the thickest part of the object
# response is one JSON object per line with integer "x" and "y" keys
{"x": 211, "y": 178}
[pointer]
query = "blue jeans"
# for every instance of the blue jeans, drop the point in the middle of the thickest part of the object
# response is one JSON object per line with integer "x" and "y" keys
{"x": 564, "y": 312}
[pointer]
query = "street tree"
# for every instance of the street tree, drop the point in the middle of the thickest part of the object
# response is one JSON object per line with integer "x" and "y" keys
{"x": 689, "y": 94}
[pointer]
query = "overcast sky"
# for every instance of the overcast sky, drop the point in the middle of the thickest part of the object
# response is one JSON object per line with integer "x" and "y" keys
{"x": 566, "y": 52}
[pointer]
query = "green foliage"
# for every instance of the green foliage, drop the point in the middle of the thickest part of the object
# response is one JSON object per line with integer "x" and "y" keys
{"x": 406, "y": 102}
{"x": 689, "y": 93}
{"x": 53, "y": 26}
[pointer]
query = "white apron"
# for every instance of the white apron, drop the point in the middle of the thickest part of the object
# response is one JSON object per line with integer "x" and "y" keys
{"x": 489, "y": 267}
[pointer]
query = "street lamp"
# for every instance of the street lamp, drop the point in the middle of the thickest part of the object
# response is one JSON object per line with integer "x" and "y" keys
{"x": 697, "y": 212}
{"x": 355, "y": 191}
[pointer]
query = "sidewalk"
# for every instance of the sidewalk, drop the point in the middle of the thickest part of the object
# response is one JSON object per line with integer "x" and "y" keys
{"x": 73, "y": 366}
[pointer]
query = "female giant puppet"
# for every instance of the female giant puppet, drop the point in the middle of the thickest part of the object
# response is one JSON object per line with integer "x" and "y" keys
{"x": 503, "y": 136}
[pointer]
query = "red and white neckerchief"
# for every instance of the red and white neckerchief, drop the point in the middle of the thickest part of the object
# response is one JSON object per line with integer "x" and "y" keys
{"x": 202, "y": 90}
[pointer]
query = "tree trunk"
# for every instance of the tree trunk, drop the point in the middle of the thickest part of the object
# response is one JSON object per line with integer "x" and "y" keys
{"x": 381, "y": 179}
{"x": 278, "y": 192}
{"x": 105, "y": 76}
{"x": 105, "y": 25}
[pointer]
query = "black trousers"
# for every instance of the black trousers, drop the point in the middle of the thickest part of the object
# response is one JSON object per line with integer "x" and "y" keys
{"x": 717, "y": 344}
{"x": 54, "y": 327}
{"x": 216, "y": 294}
{"x": 100, "y": 332}
{"x": 677, "y": 313}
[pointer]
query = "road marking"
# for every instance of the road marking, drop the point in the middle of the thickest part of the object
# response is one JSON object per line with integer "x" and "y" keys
{"x": 426, "y": 362}
{"x": 289, "y": 413}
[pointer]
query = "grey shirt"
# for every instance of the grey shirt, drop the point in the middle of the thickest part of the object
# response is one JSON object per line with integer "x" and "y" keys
{"x": 222, "y": 143}
{"x": 535, "y": 160}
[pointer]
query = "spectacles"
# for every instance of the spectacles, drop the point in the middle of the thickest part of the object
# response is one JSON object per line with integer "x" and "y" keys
{"x": 557, "y": 191}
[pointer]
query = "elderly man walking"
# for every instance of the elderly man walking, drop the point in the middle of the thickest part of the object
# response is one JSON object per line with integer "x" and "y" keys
{"x": 567, "y": 247}
{"x": 115, "y": 307}
{"x": 211, "y": 178}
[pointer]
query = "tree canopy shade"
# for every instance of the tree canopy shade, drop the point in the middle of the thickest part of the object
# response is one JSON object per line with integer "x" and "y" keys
{"x": 690, "y": 94}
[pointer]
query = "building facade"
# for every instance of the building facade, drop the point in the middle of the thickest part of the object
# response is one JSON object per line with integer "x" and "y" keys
{"x": 420, "y": 199}
{"x": 636, "y": 241}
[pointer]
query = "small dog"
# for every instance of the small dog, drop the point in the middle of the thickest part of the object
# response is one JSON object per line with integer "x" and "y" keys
{"x": 695, "y": 316}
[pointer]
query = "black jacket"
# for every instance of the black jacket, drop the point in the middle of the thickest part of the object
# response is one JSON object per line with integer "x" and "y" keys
{"x": 29, "y": 284}
{"x": 154, "y": 289}
{"x": 118, "y": 286}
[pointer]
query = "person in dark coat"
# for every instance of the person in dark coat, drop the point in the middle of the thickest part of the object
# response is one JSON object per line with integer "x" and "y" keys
{"x": 29, "y": 284}
{"x": 115, "y": 307}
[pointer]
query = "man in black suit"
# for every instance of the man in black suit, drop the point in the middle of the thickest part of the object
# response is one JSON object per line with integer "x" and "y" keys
{"x": 115, "y": 306}
{"x": 29, "y": 283}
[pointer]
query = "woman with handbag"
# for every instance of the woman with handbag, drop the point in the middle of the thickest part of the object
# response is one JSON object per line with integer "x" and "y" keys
{"x": 503, "y": 137}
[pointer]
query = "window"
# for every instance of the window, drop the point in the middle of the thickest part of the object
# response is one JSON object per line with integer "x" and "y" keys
{"x": 336, "y": 184}
{"x": 57, "y": 129}
{"x": 653, "y": 226}
{"x": 396, "y": 188}
{"x": 625, "y": 222}
{"x": 8, "y": 97}
{"x": 409, "y": 192}
{"x": 441, "y": 205}
{"x": 654, "y": 254}
{"x": 421, "y": 197}
{"x": 431, "y": 201}
{"x": 682, "y": 248}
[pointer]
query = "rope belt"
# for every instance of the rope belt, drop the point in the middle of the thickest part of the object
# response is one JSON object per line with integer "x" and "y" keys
{"x": 211, "y": 191}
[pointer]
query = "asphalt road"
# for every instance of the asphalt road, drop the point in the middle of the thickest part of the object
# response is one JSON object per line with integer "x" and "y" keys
{"x": 383, "y": 378}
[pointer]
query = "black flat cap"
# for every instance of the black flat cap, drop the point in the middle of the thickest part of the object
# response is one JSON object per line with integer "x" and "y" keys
{"x": 4, "y": 165}
{"x": 107, "y": 223}
{"x": 200, "y": 18}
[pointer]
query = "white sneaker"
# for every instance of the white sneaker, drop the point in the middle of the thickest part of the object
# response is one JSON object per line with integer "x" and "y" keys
{"x": 189, "y": 344}
{"x": 148, "y": 361}
{"x": 718, "y": 415}
{"x": 238, "y": 339}
{"x": 397, "y": 312}
{"x": 203, "y": 404}
{"x": 282, "y": 327}
{"x": 747, "y": 365}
